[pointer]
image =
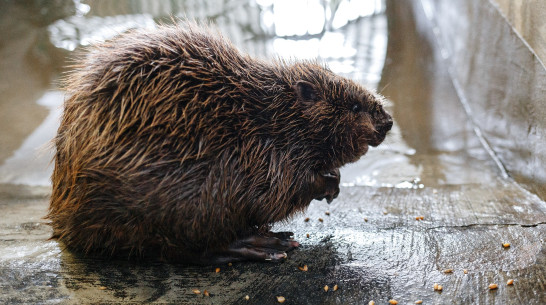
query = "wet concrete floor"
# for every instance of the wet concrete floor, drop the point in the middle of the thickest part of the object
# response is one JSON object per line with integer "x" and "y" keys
{"x": 368, "y": 243}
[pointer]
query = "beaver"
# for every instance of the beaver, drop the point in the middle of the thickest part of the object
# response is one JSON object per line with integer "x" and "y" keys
{"x": 174, "y": 144}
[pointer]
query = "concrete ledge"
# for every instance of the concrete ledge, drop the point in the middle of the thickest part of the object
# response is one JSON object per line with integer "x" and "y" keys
{"x": 500, "y": 79}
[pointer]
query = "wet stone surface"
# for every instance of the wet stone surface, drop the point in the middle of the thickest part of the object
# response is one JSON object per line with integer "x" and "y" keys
{"x": 370, "y": 244}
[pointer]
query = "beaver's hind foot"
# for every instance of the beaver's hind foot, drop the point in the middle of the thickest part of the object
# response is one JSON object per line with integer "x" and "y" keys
{"x": 258, "y": 247}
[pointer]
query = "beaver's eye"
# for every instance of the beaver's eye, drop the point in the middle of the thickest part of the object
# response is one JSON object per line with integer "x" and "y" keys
{"x": 356, "y": 108}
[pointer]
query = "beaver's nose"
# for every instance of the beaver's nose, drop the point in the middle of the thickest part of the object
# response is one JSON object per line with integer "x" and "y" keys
{"x": 385, "y": 127}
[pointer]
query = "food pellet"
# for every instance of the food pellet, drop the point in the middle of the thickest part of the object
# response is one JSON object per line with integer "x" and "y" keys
{"x": 335, "y": 287}
{"x": 206, "y": 293}
{"x": 196, "y": 291}
{"x": 366, "y": 220}
{"x": 304, "y": 268}
{"x": 448, "y": 271}
{"x": 102, "y": 288}
{"x": 320, "y": 219}
{"x": 247, "y": 297}
{"x": 326, "y": 288}
{"x": 393, "y": 302}
{"x": 327, "y": 213}
{"x": 217, "y": 270}
{"x": 371, "y": 303}
{"x": 506, "y": 245}
{"x": 306, "y": 219}
{"x": 438, "y": 287}
{"x": 281, "y": 299}
{"x": 385, "y": 212}
{"x": 510, "y": 282}
{"x": 230, "y": 264}
{"x": 307, "y": 235}
{"x": 493, "y": 286}
{"x": 465, "y": 271}
{"x": 419, "y": 302}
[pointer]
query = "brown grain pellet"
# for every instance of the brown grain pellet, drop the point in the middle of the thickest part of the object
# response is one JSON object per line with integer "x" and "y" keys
{"x": 326, "y": 288}
{"x": 465, "y": 271}
{"x": 206, "y": 293}
{"x": 438, "y": 287}
{"x": 196, "y": 291}
{"x": 281, "y": 299}
{"x": 102, "y": 288}
{"x": 230, "y": 264}
{"x": 327, "y": 213}
{"x": 493, "y": 286}
{"x": 304, "y": 268}
{"x": 320, "y": 219}
{"x": 306, "y": 219}
{"x": 371, "y": 303}
{"x": 448, "y": 271}
{"x": 217, "y": 270}
{"x": 506, "y": 245}
{"x": 247, "y": 297}
{"x": 307, "y": 235}
{"x": 510, "y": 282}
{"x": 419, "y": 302}
{"x": 393, "y": 302}
{"x": 366, "y": 220}
{"x": 335, "y": 288}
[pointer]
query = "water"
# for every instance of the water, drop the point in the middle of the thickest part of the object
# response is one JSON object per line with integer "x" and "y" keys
{"x": 431, "y": 164}
{"x": 425, "y": 148}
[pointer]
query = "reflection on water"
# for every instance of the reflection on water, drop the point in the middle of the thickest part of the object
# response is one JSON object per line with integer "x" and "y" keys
{"x": 350, "y": 36}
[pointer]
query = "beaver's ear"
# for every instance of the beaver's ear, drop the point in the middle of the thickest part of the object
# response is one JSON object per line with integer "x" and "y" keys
{"x": 307, "y": 93}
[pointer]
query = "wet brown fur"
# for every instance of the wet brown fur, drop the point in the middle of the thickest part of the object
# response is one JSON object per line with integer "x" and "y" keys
{"x": 174, "y": 143}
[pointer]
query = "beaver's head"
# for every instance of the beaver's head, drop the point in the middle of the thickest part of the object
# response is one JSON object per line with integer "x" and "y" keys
{"x": 344, "y": 118}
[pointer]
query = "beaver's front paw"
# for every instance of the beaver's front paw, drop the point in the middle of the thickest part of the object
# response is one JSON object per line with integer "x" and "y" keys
{"x": 326, "y": 185}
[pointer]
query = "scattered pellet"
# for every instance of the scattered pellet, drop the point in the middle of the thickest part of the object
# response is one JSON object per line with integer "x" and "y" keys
{"x": 217, "y": 270}
{"x": 307, "y": 235}
{"x": 281, "y": 299}
{"x": 438, "y": 287}
{"x": 335, "y": 288}
{"x": 247, "y": 297}
{"x": 102, "y": 288}
{"x": 320, "y": 219}
{"x": 493, "y": 286}
{"x": 448, "y": 271}
{"x": 196, "y": 291}
{"x": 230, "y": 264}
{"x": 385, "y": 212}
{"x": 393, "y": 302}
{"x": 327, "y": 213}
{"x": 306, "y": 219}
{"x": 206, "y": 293}
{"x": 371, "y": 303}
{"x": 304, "y": 268}
{"x": 465, "y": 271}
{"x": 366, "y": 220}
{"x": 506, "y": 245}
{"x": 326, "y": 288}
{"x": 510, "y": 282}
{"x": 419, "y": 302}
